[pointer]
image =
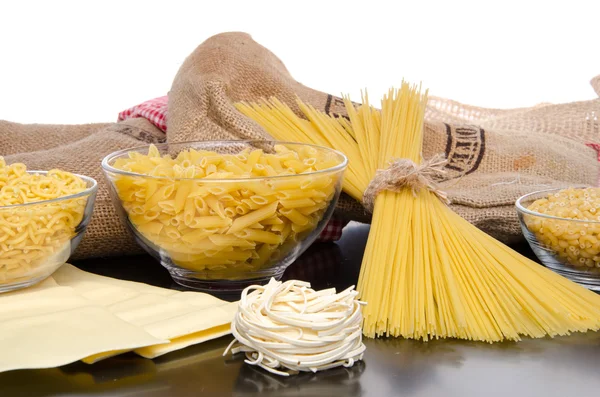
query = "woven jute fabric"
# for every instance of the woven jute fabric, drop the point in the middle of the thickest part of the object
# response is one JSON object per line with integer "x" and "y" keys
{"x": 494, "y": 156}
{"x": 406, "y": 174}
{"x": 80, "y": 149}
{"x": 596, "y": 85}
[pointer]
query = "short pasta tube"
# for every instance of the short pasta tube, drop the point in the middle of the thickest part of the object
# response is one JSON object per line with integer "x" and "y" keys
{"x": 223, "y": 214}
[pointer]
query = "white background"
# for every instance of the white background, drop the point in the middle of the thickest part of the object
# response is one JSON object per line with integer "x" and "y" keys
{"x": 77, "y": 62}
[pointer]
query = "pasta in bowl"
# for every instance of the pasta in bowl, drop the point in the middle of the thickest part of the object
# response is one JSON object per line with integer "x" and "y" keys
{"x": 562, "y": 227}
{"x": 225, "y": 214}
{"x": 43, "y": 216}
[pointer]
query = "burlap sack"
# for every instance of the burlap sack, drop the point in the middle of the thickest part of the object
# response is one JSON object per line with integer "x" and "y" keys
{"x": 490, "y": 167}
{"x": 80, "y": 149}
{"x": 577, "y": 120}
{"x": 494, "y": 155}
{"x": 596, "y": 85}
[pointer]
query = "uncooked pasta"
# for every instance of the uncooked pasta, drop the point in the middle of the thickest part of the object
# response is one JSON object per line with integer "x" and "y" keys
{"x": 288, "y": 327}
{"x": 426, "y": 272}
{"x": 34, "y": 234}
{"x": 575, "y": 242}
{"x": 225, "y": 213}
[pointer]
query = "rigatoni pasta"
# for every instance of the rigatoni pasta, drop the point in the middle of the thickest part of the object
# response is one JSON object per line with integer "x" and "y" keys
{"x": 35, "y": 238}
{"x": 224, "y": 214}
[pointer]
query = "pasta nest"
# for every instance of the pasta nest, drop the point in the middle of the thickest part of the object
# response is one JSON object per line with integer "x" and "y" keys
{"x": 287, "y": 327}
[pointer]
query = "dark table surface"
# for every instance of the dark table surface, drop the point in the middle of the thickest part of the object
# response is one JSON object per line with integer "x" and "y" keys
{"x": 566, "y": 366}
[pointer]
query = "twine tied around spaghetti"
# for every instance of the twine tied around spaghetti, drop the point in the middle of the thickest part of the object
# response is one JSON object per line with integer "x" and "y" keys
{"x": 405, "y": 173}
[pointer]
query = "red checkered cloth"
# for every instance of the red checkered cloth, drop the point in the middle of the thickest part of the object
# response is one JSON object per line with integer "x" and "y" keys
{"x": 155, "y": 111}
{"x": 596, "y": 147}
{"x": 318, "y": 266}
{"x": 333, "y": 230}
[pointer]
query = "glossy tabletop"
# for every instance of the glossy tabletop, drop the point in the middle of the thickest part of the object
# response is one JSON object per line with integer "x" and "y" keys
{"x": 565, "y": 366}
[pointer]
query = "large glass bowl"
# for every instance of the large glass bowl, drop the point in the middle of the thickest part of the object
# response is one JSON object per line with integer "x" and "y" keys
{"x": 37, "y": 238}
{"x": 215, "y": 255}
{"x": 564, "y": 245}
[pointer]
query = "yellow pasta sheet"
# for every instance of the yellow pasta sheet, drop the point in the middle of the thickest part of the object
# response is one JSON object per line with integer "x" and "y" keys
{"x": 75, "y": 315}
{"x": 49, "y": 325}
{"x": 183, "y": 318}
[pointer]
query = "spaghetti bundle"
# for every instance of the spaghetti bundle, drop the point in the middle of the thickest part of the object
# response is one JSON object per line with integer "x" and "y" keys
{"x": 426, "y": 272}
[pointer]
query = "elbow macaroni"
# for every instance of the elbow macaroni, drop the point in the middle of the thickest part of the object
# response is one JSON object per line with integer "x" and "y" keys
{"x": 34, "y": 239}
{"x": 225, "y": 228}
{"x": 575, "y": 243}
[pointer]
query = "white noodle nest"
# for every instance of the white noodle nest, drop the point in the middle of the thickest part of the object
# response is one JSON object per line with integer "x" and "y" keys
{"x": 288, "y": 327}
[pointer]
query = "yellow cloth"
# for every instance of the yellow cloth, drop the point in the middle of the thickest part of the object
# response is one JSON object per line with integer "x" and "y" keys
{"x": 75, "y": 315}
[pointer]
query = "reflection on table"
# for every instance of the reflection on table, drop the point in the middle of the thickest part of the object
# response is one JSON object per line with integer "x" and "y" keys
{"x": 192, "y": 369}
{"x": 533, "y": 367}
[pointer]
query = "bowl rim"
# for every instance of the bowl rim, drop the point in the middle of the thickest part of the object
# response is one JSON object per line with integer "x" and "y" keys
{"x": 89, "y": 190}
{"x": 522, "y": 209}
{"x": 109, "y": 168}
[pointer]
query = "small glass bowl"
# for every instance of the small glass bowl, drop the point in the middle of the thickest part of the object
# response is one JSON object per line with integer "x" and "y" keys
{"x": 38, "y": 238}
{"x": 564, "y": 245}
{"x": 215, "y": 257}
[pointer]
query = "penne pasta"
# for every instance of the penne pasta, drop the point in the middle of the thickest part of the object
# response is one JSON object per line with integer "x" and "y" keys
{"x": 299, "y": 194}
{"x": 295, "y": 216}
{"x": 297, "y": 203}
{"x": 260, "y": 236}
{"x": 195, "y": 237}
{"x": 151, "y": 228}
{"x": 216, "y": 205}
{"x": 206, "y": 223}
{"x": 227, "y": 240}
{"x": 251, "y": 205}
{"x": 253, "y": 217}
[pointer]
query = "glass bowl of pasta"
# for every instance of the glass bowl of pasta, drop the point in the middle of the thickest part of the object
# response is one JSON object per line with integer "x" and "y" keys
{"x": 562, "y": 226}
{"x": 43, "y": 216}
{"x": 222, "y": 215}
